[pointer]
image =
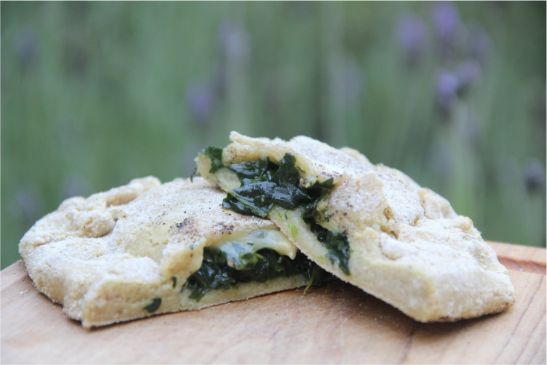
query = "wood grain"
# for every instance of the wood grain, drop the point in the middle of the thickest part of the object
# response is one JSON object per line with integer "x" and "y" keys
{"x": 334, "y": 324}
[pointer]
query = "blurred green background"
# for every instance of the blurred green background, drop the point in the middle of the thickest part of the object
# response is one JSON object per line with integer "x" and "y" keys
{"x": 95, "y": 94}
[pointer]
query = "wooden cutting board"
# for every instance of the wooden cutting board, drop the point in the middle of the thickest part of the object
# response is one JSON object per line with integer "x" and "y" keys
{"x": 334, "y": 324}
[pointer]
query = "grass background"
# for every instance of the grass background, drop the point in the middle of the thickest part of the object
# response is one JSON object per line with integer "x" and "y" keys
{"x": 97, "y": 93}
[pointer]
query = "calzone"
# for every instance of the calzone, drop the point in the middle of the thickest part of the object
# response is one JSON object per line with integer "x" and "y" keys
{"x": 147, "y": 248}
{"x": 370, "y": 225}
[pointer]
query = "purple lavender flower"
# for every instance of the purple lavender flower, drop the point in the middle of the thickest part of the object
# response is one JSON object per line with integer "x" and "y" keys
{"x": 534, "y": 176}
{"x": 479, "y": 43}
{"x": 467, "y": 73}
{"x": 233, "y": 40}
{"x": 446, "y": 91}
{"x": 234, "y": 47}
{"x": 411, "y": 37}
{"x": 451, "y": 84}
{"x": 26, "y": 47}
{"x": 200, "y": 99}
{"x": 446, "y": 20}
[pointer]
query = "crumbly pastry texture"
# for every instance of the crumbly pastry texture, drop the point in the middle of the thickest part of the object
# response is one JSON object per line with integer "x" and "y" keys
{"x": 408, "y": 246}
{"x": 107, "y": 257}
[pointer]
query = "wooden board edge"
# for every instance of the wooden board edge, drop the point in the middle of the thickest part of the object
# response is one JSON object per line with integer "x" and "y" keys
{"x": 520, "y": 258}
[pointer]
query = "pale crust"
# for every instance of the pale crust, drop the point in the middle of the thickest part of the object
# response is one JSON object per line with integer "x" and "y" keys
{"x": 106, "y": 257}
{"x": 408, "y": 246}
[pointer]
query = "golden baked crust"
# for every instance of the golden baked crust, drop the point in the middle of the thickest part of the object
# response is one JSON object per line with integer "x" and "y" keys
{"x": 408, "y": 246}
{"x": 105, "y": 258}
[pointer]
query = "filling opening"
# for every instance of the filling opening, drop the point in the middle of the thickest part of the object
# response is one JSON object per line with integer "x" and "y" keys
{"x": 264, "y": 184}
{"x": 256, "y": 257}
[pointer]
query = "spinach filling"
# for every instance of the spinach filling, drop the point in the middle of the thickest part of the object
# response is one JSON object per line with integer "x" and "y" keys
{"x": 154, "y": 305}
{"x": 215, "y": 155}
{"x": 265, "y": 184}
{"x": 336, "y": 243}
{"x": 223, "y": 269}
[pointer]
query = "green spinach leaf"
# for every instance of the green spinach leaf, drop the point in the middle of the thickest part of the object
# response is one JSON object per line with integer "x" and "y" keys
{"x": 263, "y": 185}
{"x": 252, "y": 169}
{"x": 336, "y": 243}
{"x": 153, "y": 306}
{"x": 251, "y": 198}
{"x": 215, "y": 155}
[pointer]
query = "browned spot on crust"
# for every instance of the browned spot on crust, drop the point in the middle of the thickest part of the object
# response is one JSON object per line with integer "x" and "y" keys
{"x": 390, "y": 232}
{"x": 121, "y": 198}
{"x": 446, "y": 319}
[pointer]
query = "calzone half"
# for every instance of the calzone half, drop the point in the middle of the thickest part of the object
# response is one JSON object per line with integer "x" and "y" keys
{"x": 370, "y": 225}
{"x": 147, "y": 248}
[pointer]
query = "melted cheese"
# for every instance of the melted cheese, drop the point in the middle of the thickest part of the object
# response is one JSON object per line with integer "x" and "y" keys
{"x": 227, "y": 179}
{"x": 256, "y": 240}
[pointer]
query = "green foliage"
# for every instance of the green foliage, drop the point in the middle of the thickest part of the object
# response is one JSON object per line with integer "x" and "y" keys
{"x": 97, "y": 93}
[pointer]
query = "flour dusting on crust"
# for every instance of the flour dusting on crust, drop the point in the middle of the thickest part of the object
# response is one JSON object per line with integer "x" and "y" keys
{"x": 106, "y": 257}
